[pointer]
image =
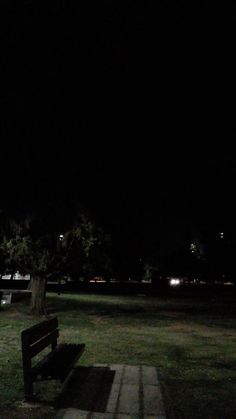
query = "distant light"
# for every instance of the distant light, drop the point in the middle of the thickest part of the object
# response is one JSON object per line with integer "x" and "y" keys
{"x": 221, "y": 235}
{"x": 193, "y": 248}
{"x": 61, "y": 237}
{"x": 174, "y": 282}
{"x": 3, "y": 302}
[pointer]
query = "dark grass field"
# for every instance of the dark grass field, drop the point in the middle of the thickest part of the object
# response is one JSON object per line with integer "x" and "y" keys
{"x": 191, "y": 341}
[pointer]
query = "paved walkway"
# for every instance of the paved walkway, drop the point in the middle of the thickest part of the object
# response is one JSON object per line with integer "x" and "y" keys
{"x": 135, "y": 394}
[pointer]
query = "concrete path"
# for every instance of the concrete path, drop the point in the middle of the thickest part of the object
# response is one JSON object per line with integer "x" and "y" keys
{"x": 135, "y": 394}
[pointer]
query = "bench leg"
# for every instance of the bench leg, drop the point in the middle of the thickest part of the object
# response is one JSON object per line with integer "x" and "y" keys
{"x": 28, "y": 387}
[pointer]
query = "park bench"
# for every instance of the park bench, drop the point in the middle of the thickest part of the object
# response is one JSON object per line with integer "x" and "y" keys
{"x": 56, "y": 365}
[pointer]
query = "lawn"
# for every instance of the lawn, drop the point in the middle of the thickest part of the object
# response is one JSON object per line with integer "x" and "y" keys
{"x": 191, "y": 342}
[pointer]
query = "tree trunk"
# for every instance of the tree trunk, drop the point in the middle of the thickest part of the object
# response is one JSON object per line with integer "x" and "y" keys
{"x": 29, "y": 286}
{"x": 38, "y": 288}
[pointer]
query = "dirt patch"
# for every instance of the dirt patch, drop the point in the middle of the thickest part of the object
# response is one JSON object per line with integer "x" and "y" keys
{"x": 170, "y": 313}
{"x": 182, "y": 327}
{"x": 96, "y": 320}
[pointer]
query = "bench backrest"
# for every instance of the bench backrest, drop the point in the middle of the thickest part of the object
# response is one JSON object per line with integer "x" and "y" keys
{"x": 38, "y": 337}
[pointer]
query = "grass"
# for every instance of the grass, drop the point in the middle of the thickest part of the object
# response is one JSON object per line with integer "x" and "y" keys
{"x": 191, "y": 342}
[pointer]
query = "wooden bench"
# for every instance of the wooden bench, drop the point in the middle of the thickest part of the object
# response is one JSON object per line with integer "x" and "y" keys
{"x": 56, "y": 365}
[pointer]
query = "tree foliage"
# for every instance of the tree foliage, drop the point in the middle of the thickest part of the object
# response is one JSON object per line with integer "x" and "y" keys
{"x": 38, "y": 248}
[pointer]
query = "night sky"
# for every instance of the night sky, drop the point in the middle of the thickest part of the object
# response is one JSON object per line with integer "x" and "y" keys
{"x": 125, "y": 107}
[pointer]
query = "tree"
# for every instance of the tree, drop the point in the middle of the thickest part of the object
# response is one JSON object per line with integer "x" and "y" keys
{"x": 42, "y": 251}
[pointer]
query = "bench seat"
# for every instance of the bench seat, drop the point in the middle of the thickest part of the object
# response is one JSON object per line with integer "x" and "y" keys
{"x": 57, "y": 363}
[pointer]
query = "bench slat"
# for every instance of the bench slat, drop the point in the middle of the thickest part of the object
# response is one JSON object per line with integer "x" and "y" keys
{"x": 43, "y": 343}
{"x": 67, "y": 368}
{"x": 34, "y": 333}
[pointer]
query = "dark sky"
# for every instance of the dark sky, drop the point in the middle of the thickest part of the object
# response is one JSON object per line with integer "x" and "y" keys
{"x": 127, "y": 107}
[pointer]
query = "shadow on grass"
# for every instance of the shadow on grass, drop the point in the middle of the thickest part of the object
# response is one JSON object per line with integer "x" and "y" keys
{"x": 225, "y": 365}
{"x": 88, "y": 388}
{"x": 112, "y": 307}
{"x": 65, "y": 304}
{"x": 177, "y": 353}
